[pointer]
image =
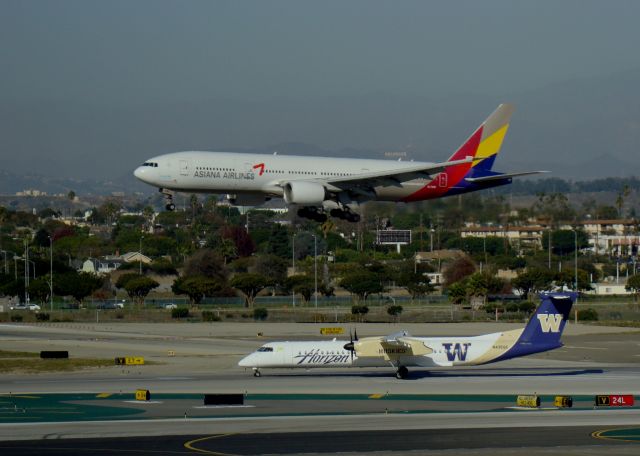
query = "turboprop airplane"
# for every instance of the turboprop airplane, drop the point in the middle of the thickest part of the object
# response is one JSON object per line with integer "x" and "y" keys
{"x": 317, "y": 185}
{"x": 401, "y": 351}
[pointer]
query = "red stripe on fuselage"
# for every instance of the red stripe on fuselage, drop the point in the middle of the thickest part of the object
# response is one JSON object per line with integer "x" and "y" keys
{"x": 450, "y": 177}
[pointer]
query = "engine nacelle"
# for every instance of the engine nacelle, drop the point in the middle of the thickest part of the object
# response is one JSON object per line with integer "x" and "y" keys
{"x": 304, "y": 193}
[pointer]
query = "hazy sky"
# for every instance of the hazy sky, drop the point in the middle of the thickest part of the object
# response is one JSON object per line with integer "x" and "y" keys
{"x": 136, "y": 53}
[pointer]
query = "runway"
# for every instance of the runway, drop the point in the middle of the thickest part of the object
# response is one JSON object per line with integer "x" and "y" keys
{"x": 596, "y": 360}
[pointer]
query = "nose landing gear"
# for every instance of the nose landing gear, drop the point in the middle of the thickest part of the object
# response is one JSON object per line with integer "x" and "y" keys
{"x": 168, "y": 199}
{"x": 402, "y": 372}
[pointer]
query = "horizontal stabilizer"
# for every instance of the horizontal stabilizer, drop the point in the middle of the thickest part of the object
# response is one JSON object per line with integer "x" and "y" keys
{"x": 495, "y": 177}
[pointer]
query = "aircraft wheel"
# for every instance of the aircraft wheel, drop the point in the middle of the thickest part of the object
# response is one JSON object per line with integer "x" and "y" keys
{"x": 402, "y": 373}
{"x": 321, "y": 218}
{"x": 256, "y": 373}
{"x": 353, "y": 217}
{"x": 170, "y": 207}
{"x": 302, "y": 212}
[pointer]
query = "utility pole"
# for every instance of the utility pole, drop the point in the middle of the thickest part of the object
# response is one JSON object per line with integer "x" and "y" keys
{"x": 293, "y": 263}
{"x": 140, "y": 259}
{"x": 51, "y": 273}
{"x": 575, "y": 232}
{"x": 315, "y": 268}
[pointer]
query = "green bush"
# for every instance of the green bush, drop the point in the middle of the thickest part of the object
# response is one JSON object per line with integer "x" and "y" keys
{"x": 359, "y": 310}
{"x": 208, "y": 315}
{"x": 527, "y": 306}
{"x": 394, "y": 310}
{"x": 512, "y": 307}
{"x": 260, "y": 313}
{"x": 41, "y": 316}
{"x": 180, "y": 312}
{"x": 16, "y": 318}
{"x": 588, "y": 315}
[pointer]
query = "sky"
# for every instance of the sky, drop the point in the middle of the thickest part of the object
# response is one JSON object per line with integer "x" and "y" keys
{"x": 134, "y": 58}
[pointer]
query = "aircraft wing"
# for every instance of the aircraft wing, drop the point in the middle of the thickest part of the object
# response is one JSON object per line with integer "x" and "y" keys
{"x": 501, "y": 176}
{"x": 405, "y": 346}
{"x": 391, "y": 177}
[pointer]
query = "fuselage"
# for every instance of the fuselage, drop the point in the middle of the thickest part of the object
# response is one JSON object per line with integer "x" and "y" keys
{"x": 447, "y": 351}
{"x": 229, "y": 172}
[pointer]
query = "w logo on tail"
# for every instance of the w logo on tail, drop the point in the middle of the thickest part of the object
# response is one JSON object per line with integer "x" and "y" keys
{"x": 454, "y": 351}
{"x": 550, "y": 322}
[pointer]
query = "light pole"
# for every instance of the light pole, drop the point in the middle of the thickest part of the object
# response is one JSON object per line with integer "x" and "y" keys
{"x": 4, "y": 252}
{"x": 575, "y": 234}
{"x": 315, "y": 268}
{"x": 51, "y": 273}
{"x": 140, "y": 259}
{"x": 26, "y": 271}
{"x": 293, "y": 266}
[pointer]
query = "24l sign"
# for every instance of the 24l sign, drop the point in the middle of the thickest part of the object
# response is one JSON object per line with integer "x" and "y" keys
{"x": 615, "y": 400}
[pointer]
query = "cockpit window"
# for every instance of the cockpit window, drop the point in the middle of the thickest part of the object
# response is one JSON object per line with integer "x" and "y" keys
{"x": 152, "y": 164}
{"x": 265, "y": 349}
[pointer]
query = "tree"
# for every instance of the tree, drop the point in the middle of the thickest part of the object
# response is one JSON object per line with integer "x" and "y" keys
{"x": 301, "y": 284}
{"x": 138, "y": 288}
{"x": 250, "y": 284}
{"x": 244, "y": 245}
{"x": 416, "y": 284}
{"x": 196, "y": 287}
{"x": 125, "y": 278}
{"x": 457, "y": 292}
{"x": 533, "y": 280}
{"x": 271, "y": 266}
{"x": 71, "y": 195}
{"x": 207, "y": 263}
{"x": 79, "y": 285}
{"x": 633, "y": 284}
{"x": 362, "y": 283}
{"x": 458, "y": 269}
{"x": 40, "y": 290}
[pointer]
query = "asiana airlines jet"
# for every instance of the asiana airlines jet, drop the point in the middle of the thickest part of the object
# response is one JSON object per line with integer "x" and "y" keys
{"x": 401, "y": 351}
{"x": 320, "y": 185}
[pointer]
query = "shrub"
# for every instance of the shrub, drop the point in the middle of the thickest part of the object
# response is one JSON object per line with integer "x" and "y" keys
{"x": 208, "y": 315}
{"x": 16, "y": 318}
{"x": 41, "y": 316}
{"x": 260, "y": 314}
{"x": 180, "y": 312}
{"x": 394, "y": 310}
{"x": 359, "y": 310}
{"x": 527, "y": 306}
{"x": 588, "y": 315}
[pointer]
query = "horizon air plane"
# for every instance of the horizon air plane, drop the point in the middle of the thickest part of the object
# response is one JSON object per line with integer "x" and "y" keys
{"x": 316, "y": 185}
{"x": 401, "y": 351}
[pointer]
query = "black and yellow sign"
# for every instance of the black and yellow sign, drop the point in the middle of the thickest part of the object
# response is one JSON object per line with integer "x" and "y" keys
{"x": 331, "y": 331}
{"x": 615, "y": 400}
{"x": 563, "y": 401}
{"x": 143, "y": 395}
{"x": 129, "y": 361}
{"x": 603, "y": 401}
{"x": 531, "y": 401}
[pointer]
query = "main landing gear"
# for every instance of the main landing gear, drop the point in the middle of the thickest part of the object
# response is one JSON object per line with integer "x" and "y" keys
{"x": 312, "y": 213}
{"x": 256, "y": 372}
{"x": 315, "y": 214}
{"x": 168, "y": 199}
{"x": 345, "y": 215}
{"x": 402, "y": 372}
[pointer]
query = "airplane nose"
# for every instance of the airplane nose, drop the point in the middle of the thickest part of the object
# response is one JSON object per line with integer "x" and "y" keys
{"x": 246, "y": 361}
{"x": 139, "y": 173}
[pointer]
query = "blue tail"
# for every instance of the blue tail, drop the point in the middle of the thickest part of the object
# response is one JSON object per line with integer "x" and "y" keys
{"x": 545, "y": 327}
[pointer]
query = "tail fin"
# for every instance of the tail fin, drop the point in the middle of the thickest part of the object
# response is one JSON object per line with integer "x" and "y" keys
{"x": 545, "y": 327}
{"x": 484, "y": 144}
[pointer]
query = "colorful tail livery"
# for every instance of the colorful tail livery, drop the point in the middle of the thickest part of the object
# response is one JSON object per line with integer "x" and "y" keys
{"x": 545, "y": 327}
{"x": 483, "y": 146}
{"x": 401, "y": 350}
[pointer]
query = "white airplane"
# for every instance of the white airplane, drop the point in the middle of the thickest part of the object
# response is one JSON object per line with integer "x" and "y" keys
{"x": 316, "y": 185}
{"x": 542, "y": 333}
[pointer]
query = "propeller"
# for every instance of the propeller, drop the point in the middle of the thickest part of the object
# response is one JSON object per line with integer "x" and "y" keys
{"x": 350, "y": 345}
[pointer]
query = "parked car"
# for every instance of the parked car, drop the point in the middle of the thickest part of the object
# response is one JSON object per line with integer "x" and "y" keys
{"x": 109, "y": 305}
{"x": 170, "y": 306}
{"x": 22, "y": 306}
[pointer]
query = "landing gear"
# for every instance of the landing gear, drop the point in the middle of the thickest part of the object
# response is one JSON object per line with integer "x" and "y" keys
{"x": 168, "y": 199}
{"x": 345, "y": 215}
{"x": 256, "y": 372}
{"x": 312, "y": 213}
{"x": 402, "y": 373}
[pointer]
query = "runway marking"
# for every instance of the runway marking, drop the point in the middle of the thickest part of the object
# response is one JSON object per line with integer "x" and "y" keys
{"x": 586, "y": 348}
{"x": 618, "y": 434}
{"x": 103, "y": 395}
{"x": 189, "y": 445}
{"x": 376, "y": 396}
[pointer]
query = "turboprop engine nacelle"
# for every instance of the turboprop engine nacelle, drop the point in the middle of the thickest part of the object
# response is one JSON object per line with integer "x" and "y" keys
{"x": 305, "y": 193}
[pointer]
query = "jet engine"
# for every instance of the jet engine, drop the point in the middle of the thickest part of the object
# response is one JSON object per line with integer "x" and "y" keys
{"x": 304, "y": 193}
